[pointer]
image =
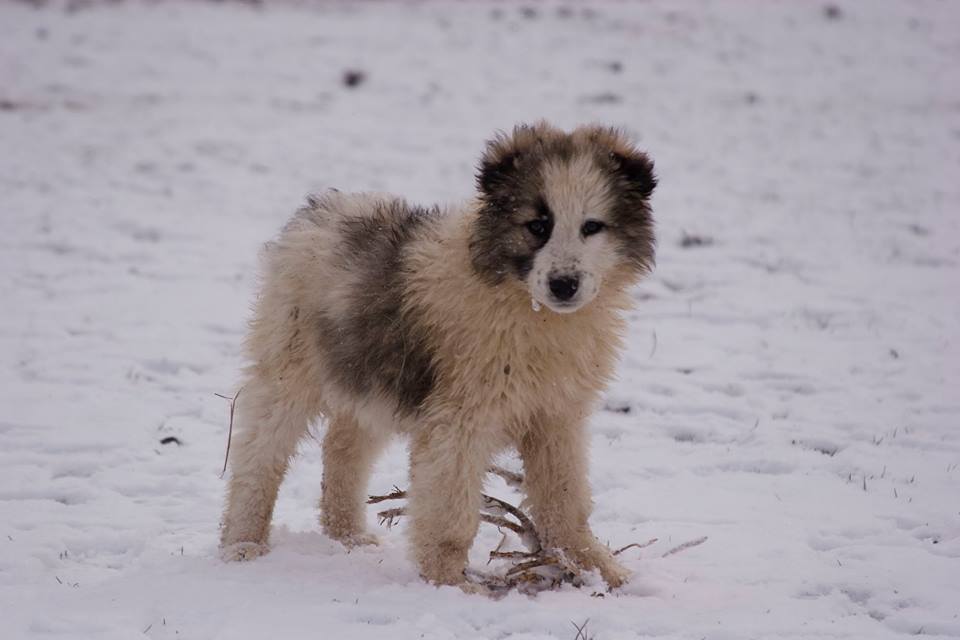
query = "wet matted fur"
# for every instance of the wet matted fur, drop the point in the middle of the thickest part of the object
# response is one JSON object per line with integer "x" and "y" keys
{"x": 383, "y": 317}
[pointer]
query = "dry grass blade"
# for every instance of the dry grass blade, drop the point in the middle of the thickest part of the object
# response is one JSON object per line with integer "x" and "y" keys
{"x": 512, "y": 555}
{"x": 684, "y": 546}
{"x": 636, "y": 545}
{"x": 503, "y": 541}
{"x": 390, "y": 516}
{"x": 581, "y": 630}
{"x": 233, "y": 408}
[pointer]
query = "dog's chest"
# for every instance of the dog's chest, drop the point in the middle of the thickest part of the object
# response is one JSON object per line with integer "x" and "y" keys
{"x": 514, "y": 370}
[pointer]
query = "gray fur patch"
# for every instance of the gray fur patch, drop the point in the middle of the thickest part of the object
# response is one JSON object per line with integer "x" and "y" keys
{"x": 375, "y": 346}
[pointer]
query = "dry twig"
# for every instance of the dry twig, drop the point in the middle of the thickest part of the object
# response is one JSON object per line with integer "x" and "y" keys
{"x": 636, "y": 545}
{"x": 529, "y": 571}
{"x": 233, "y": 408}
{"x": 512, "y": 478}
{"x": 397, "y": 494}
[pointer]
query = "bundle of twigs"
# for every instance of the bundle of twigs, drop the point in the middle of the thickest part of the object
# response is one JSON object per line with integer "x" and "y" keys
{"x": 537, "y": 568}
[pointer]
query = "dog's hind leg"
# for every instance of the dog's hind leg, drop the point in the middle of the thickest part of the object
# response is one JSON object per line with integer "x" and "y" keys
{"x": 269, "y": 425}
{"x": 349, "y": 451}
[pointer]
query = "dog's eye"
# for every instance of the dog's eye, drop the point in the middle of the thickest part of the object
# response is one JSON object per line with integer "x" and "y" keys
{"x": 591, "y": 227}
{"x": 539, "y": 227}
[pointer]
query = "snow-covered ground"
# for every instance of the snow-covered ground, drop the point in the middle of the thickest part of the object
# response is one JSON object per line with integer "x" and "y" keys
{"x": 791, "y": 385}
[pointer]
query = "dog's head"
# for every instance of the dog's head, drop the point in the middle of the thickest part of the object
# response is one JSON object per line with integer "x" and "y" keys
{"x": 561, "y": 211}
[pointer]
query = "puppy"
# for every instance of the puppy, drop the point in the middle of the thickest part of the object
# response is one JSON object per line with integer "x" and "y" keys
{"x": 492, "y": 325}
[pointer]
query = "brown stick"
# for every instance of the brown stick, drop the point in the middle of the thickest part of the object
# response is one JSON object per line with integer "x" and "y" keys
{"x": 635, "y": 545}
{"x": 529, "y": 532}
{"x": 233, "y": 406}
{"x": 398, "y": 494}
{"x": 512, "y": 478}
{"x": 502, "y": 523}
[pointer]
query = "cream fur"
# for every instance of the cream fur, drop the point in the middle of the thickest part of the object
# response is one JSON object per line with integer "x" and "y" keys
{"x": 507, "y": 376}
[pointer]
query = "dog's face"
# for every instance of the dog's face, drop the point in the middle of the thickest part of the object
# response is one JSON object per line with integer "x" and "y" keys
{"x": 561, "y": 211}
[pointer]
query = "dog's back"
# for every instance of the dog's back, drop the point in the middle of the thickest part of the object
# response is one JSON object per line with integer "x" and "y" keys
{"x": 332, "y": 298}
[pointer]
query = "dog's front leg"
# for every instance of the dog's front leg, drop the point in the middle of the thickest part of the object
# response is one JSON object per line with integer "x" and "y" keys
{"x": 554, "y": 452}
{"x": 447, "y": 467}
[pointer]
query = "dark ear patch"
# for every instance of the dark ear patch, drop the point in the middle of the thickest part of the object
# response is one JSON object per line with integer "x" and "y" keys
{"x": 495, "y": 174}
{"x": 632, "y": 169}
{"x": 508, "y": 155}
{"x": 637, "y": 169}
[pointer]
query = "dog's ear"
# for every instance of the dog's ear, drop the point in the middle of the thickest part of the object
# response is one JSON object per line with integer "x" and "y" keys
{"x": 504, "y": 157}
{"x": 636, "y": 169}
{"x": 497, "y": 170}
{"x": 624, "y": 161}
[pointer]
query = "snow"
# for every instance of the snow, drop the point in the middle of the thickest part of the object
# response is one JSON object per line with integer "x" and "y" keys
{"x": 790, "y": 386}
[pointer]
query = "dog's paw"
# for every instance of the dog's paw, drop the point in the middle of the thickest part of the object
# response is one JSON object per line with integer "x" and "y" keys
{"x": 600, "y": 558}
{"x": 242, "y": 551}
{"x": 613, "y": 573}
{"x": 443, "y": 563}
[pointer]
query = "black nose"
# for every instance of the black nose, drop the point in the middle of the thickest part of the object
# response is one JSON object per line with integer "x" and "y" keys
{"x": 564, "y": 288}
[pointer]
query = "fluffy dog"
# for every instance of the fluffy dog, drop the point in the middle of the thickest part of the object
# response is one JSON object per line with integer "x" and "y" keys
{"x": 385, "y": 317}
